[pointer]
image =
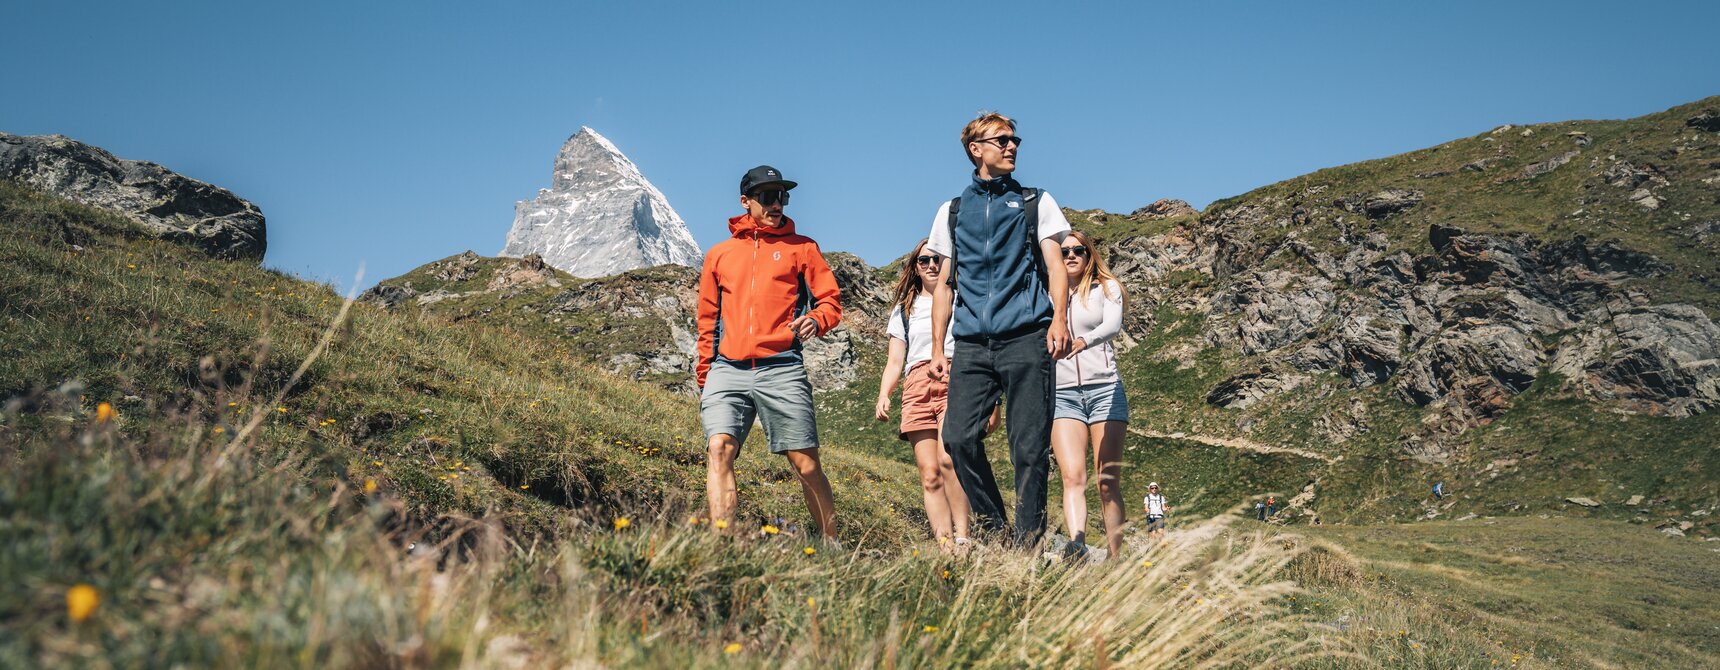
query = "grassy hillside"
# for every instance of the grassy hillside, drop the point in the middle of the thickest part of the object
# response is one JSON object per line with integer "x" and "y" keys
{"x": 210, "y": 464}
{"x": 238, "y": 468}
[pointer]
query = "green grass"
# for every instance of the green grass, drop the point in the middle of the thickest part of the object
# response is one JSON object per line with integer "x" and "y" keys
{"x": 1562, "y": 592}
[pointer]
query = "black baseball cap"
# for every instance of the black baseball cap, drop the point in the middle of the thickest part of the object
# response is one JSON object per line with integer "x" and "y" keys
{"x": 761, "y": 176}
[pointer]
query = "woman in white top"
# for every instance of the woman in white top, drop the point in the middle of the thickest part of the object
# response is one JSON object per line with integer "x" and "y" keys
{"x": 1090, "y": 405}
{"x": 924, "y": 399}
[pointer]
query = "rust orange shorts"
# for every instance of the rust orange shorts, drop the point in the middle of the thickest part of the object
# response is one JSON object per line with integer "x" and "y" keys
{"x": 923, "y": 400}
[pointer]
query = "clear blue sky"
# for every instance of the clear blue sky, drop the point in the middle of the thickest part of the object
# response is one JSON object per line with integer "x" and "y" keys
{"x": 398, "y": 133}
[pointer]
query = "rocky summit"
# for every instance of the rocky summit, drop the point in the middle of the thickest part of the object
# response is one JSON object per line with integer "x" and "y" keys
{"x": 600, "y": 216}
{"x": 165, "y": 203}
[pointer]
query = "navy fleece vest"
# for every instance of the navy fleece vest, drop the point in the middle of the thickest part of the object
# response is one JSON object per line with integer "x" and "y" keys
{"x": 999, "y": 290}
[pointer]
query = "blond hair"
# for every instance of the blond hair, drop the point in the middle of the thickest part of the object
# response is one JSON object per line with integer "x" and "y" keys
{"x": 1097, "y": 271}
{"x": 982, "y": 126}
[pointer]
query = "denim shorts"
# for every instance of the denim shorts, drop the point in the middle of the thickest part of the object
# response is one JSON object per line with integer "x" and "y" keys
{"x": 1093, "y": 403}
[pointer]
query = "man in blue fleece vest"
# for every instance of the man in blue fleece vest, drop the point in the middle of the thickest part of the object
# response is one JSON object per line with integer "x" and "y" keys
{"x": 1010, "y": 324}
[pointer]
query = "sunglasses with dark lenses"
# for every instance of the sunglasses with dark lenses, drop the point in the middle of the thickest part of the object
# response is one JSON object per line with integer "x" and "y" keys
{"x": 1079, "y": 251}
{"x": 927, "y": 260}
{"x": 1003, "y": 141}
{"x": 771, "y": 197}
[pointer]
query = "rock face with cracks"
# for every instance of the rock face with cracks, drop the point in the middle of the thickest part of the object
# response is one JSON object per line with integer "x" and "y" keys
{"x": 166, "y": 204}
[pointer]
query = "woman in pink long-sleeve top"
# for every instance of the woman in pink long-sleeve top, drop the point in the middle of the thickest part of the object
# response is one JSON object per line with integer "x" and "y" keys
{"x": 1091, "y": 405}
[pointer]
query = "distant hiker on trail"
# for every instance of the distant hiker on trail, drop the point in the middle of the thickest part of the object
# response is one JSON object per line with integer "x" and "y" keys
{"x": 1260, "y": 510}
{"x": 1156, "y": 510}
{"x": 1439, "y": 491}
{"x": 924, "y": 398}
{"x": 761, "y": 294}
{"x": 1090, "y": 405}
{"x": 1271, "y": 505}
{"x": 998, "y": 239}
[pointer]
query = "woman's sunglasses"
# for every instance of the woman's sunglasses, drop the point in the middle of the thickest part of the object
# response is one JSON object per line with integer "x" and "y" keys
{"x": 1078, "y": 251}
{"x": 927, "y": 260}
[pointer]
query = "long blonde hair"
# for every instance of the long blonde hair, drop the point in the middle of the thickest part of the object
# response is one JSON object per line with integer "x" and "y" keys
{"x": 909, "y": 285}
{"x": 1097, "y": 271}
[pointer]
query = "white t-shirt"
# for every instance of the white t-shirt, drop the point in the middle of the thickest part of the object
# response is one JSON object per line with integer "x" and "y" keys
{"x": 920, "y": 328}
{"x": 1052, "y": 225}
{"x": 1155, "y": 504}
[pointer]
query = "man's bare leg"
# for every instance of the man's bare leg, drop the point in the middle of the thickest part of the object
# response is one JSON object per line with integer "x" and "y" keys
{"x": 720, "y": 477}
{"x": 816, "y": 488}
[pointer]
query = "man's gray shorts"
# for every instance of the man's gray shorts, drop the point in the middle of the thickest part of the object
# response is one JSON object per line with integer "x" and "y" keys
{"x": 779, "y": 395}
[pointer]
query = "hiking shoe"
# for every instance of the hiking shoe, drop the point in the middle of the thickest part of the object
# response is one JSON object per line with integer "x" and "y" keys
{"x": 1075, "y": 552}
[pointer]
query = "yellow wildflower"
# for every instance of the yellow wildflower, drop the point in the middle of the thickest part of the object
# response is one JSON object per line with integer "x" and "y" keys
{"x": 771, "y": 530}
{"x": 811, "y": 603}
{"x": 622, "y": 522}
{"x": 721, "y": 523}
{"x": 81, "y": 602}
{"x": 809, "y": 551}
{"x": 105, "y": 413}
{"x": 369, "y": 485}
{"x": 219, "y": 430}
{"x": 525, "y": 486}
{"x": 929, "y": 629}
{"x": 376, "y": 462}
{"x": 282, "y": 410}
{"x": 732, "y": 648}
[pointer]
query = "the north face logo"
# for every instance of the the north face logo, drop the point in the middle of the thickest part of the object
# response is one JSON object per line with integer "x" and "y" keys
{"x": 1013, "y": 204}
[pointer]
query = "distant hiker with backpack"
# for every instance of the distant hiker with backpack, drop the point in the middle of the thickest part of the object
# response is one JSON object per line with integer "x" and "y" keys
{"x": 1156, "y": 509}
{"x": 1090, "y": 405}
{"x": 924, "y": 399}
{"x": 998, "y": 239}
{"x": 762, "y": 293}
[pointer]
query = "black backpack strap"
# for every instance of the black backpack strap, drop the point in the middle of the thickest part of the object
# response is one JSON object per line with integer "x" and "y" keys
{"x": 903, "y": 312}
{"x": 802, "y": 303}
{"x": 955, "y": 206}
{"x": 1030, "y": 207}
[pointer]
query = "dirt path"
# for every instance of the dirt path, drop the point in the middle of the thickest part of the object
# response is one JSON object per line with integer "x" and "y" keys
{"x": 1235, "y": 443}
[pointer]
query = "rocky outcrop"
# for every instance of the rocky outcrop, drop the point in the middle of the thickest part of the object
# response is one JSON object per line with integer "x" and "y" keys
{"x": 1662, "y": 359}
{"x": 1459, "y": 328}
{"x": 1381, "y": 204}
{"x": 165, "y": 203}
{"x": 1163, "y": 209}
{"x": 1272, "y": 308}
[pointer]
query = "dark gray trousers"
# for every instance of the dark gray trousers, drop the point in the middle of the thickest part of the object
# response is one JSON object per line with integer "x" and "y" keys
{"x": 1019, "y": 367}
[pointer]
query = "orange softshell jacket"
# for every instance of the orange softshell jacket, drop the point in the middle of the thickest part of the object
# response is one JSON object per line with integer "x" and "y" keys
{"x": 750, "y": 289}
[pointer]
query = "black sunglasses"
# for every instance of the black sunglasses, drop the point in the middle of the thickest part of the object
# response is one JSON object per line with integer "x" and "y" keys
{"x": 927, "y": 260}
{"x": 770, "y": 197}
{"x": 1002, "y": 141}
{"x": 1079, "y": 250}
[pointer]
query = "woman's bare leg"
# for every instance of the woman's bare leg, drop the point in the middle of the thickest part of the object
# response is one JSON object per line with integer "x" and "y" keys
{"x": 1108, "y": 463}
{"x": 1069, "y": 445}
{"x": 932, "y": 484}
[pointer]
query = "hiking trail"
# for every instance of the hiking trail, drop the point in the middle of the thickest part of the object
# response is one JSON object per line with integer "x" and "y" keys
{"x": 1236, "y": 443}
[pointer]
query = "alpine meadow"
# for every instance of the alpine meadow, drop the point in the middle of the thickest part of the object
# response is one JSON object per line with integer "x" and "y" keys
{"x": 491, "y": 462}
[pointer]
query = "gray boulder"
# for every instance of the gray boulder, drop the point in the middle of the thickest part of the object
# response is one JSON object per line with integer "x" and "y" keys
{"x": 1382, "y": 204}
{"x": 1708, "y": 120}
{"x": 166, "y": 204}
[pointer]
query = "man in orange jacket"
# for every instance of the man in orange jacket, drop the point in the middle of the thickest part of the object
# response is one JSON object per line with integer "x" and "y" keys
{"x": 761, "y": 294}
